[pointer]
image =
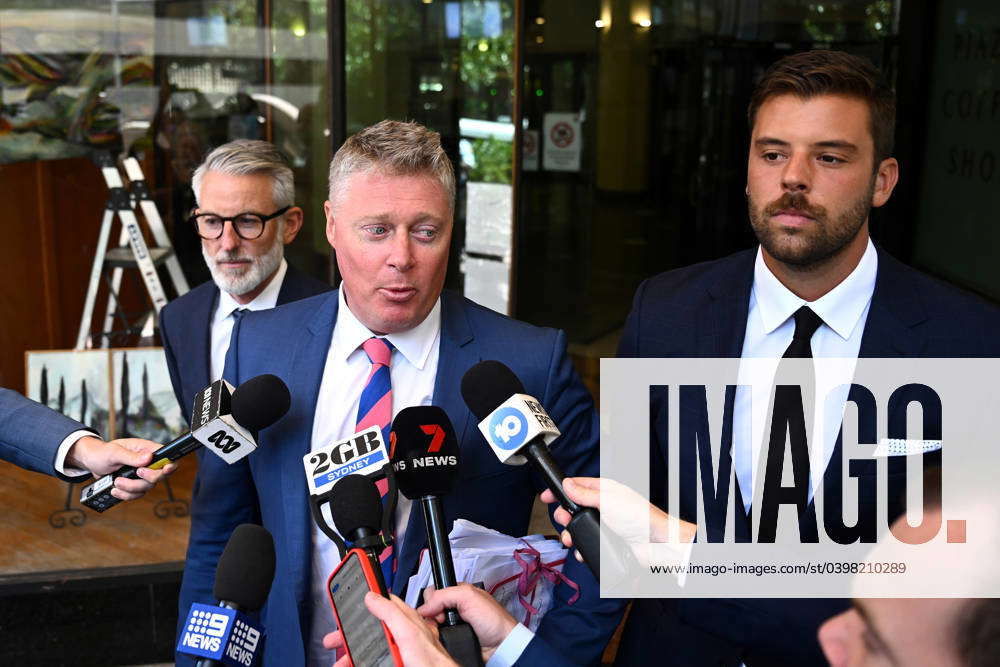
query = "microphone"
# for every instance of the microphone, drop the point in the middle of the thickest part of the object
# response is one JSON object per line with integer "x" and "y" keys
{"x": 356, "y": 509}
{"x": 223, "y": 420}
{"x": 424, "y": 453}
{"x": 364, "y": 453}
{"x": 223, "y": 634}
{"x": 518, "y": 429}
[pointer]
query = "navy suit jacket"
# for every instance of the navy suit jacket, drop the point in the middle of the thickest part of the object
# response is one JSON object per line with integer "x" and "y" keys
{"x": 30, "y": 434}
{"x": 186, "y": 332}
{"x": 269, "y": 486}
{"x": 701, "y": 311}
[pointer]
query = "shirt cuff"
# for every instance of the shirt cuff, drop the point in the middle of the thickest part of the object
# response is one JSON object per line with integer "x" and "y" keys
{"x": 60, "y": 463}
{"x": 511, "y": 648}
{"x": 685, "y": 561}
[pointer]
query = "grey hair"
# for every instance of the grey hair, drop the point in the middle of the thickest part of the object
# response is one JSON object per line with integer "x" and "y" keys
{"x": 392, "y": 148}
{"x": 244, "y": 157}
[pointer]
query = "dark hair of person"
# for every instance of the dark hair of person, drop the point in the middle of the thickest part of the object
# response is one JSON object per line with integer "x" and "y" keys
{"x": 823, "y": 72}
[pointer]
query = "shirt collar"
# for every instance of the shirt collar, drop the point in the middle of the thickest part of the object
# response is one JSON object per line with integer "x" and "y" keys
{"x": 414, "y": 344}
{"x": 840, "y": 309}
{"x": 265, "y": 300}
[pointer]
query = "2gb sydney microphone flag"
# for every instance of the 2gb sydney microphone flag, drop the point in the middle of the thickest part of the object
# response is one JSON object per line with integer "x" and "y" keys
{"x": 222, "y": 420}
{"x": 364, "y": 453}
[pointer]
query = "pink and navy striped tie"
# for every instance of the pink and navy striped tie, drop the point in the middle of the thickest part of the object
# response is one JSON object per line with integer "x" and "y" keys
{"x": 375, "y": 409}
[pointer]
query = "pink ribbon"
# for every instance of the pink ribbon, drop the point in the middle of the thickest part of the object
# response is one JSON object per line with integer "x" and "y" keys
{"x": 532, "y": 570}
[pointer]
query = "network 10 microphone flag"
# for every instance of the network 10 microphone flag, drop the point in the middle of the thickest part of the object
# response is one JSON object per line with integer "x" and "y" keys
{"x": 223, "y": 635}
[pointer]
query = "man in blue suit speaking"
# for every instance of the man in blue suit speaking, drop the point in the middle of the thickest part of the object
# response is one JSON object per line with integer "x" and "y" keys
{"x": 388, "y": 339}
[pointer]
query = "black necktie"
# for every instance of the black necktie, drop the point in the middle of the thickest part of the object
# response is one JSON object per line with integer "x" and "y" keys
{"x": 806, "y": 323}
{"x": 790, "y": 418}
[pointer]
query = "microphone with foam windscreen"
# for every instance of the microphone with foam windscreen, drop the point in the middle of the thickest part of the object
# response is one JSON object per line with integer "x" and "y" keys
{"x": 424, "y": 453}
{"x": 224, "y": 421}
{"x": 356, "y": 509}
{"x": 222, "y": 634}
{"x": 518, "y": 429}
{"x": 363, "y": 453}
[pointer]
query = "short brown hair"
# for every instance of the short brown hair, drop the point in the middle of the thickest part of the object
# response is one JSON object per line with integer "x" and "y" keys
{"x": 824, "y": 72}
{"x": 978, "y": 633}
{"x": 394, "y": 148}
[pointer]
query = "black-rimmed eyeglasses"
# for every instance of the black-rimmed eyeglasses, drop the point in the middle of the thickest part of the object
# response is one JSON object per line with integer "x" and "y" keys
{"x": 248, "y": 225}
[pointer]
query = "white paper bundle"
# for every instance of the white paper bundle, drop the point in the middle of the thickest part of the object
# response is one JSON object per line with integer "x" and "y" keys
{"x": 520, "y": 572}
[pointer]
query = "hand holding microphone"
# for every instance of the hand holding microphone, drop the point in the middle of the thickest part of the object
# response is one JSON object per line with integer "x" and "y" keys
{"x": 100, "y": 458}
{"x": 627, "y": 515}
{"x": 223, "y": 420}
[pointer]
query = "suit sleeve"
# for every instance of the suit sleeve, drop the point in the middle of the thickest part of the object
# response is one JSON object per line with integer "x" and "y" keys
{"x": 175, "y": 374}
{"x": 628, "y": 346}
{"x": 30, "y": 434}
{"x": 224, "y": 496}
{"x": 579, "y": 631}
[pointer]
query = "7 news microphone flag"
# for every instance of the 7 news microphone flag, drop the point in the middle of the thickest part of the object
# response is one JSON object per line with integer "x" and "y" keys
{"x": 222, "y": 420}
{"x": 425, "y": 457}
{"x": 518, "y": 429}
{"x": 223, "y": 634}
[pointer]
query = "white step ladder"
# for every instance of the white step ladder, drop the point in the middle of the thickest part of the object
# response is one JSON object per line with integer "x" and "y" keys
{"x": 132, "y": 252}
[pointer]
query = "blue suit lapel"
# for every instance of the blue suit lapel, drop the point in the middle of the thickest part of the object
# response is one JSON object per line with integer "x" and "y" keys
{"x": 312, "y": 345}
{"x": 455, "y": 356}
{"x": 722, "y": 328}
{"x": 199, "y": 352}
{"x": 896, "y": 310}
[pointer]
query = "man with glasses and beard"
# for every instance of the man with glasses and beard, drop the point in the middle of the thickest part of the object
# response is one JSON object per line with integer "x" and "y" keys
{"x": 246, "y": 214}
{"x": 820, "y": 157}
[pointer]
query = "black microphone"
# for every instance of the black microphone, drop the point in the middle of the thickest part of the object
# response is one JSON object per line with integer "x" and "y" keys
{"x": 222, "y": 634}
{"x": 223, "y": 420}
{"x": 356, "y": 509}
{"x": 424, "y": 453}
{"x": 517, "y": 427}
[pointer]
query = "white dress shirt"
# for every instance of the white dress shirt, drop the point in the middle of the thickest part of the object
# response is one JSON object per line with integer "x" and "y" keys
{"x": 412, "y": 372}
{"x": 222, "y": 321}
{"x": 769, "y": 330}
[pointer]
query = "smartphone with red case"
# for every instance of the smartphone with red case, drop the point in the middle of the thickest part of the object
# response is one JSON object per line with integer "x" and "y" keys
{"x": 367, "y": 639}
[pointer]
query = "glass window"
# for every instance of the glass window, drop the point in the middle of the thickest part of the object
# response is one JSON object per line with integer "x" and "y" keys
{"x": 638, "y": 110}
{"x": 447, "y": 64}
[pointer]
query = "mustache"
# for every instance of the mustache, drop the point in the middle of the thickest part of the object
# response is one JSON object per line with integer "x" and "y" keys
{"x": 224, "y": 256}
{"x": 795, "y": 201}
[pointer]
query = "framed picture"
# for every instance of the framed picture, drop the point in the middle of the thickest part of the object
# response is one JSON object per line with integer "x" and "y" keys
{"x": 117, "y": 392}
{"x": 75, "y": 383}
{"x": 145, "y": 406}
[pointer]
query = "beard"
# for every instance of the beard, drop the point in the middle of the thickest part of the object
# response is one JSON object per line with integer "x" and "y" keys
{"x": 807, "y": 247}
{"x": 246, "y": 278}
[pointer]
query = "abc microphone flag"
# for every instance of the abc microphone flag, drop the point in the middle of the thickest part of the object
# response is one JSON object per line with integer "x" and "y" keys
{"x": 223, "y": 420}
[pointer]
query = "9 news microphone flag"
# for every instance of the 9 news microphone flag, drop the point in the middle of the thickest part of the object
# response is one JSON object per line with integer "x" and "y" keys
{"x": 223, "y": 634}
